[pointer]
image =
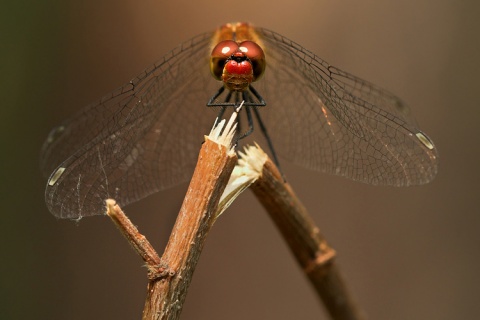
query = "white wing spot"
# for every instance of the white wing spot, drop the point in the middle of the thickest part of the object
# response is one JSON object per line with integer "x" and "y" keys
{"x": 54, "y": 178}
{"x": 425, "y": 140}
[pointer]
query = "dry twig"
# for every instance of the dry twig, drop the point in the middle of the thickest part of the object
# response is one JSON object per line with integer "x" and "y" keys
{"x": 314, "y": 255}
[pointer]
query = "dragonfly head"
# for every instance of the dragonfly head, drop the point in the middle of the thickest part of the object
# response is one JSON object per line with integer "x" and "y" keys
{"x": 237, "y": 64}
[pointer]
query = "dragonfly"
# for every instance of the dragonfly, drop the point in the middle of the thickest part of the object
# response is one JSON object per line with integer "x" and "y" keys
{"x": 145, "y": 136}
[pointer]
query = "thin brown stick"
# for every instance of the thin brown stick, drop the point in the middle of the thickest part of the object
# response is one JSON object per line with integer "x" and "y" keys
{"x": 315, "y": 256}
{"x": 165, "y": 295}
{"x": 138, "y": 241}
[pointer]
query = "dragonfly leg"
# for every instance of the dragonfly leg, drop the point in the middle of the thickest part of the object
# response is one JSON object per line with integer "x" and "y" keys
{"x": 211, "y": 102}
{"x": 267, "y": 137}
{"x": 247, "y": 99}
{"x": 250, "y": 124}
{"x": 223, "y": 107}
{"x": 262, "y": 102}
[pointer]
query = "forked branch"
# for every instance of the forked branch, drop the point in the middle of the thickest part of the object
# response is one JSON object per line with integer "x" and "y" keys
{"x": 170, "y": 275}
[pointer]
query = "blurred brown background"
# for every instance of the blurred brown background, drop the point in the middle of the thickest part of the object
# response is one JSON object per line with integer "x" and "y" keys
{"x": 408, "y": 253}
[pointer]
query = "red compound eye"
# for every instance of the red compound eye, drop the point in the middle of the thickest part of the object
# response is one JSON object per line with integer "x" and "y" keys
{"x": 222, "y": 51}
{"x": 256, "y": 56}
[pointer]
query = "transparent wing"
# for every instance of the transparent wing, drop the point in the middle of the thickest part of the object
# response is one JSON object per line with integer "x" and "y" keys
{"x": 142, "y": 138}
{"x": 145, "y": 136}
{"x": 325, "y": 119}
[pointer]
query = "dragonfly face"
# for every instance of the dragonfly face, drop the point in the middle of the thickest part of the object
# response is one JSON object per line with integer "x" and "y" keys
{"x": 237, "y": 64}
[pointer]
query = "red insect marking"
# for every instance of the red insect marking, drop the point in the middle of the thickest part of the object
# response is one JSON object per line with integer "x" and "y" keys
{"x": 233, "y": 67}
{"x": 237, "y": 75}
